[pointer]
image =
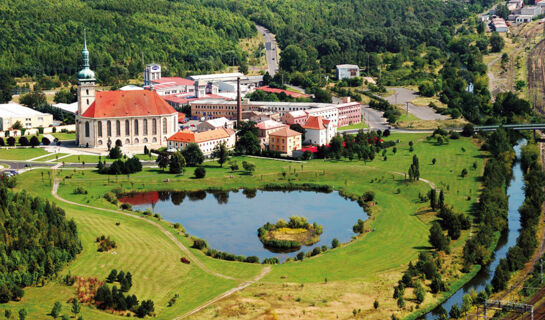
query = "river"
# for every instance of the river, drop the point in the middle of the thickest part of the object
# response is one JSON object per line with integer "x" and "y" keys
{"x": 515, "y": 192}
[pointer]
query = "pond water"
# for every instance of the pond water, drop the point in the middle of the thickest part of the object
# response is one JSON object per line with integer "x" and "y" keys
{"x": 228, "y": 221}
{"x": 515, "y": 192}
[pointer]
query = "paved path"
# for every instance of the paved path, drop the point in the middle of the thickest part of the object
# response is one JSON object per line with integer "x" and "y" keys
{"x": 270, "y": 49}
{"x": 194, "y": 260}
{"x": 404, "y": 96}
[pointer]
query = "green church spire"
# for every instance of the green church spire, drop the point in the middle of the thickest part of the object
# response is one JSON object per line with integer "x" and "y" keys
{"x": 86, "y": 73}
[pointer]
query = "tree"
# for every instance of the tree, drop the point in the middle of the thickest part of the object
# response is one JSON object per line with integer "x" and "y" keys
{"x": 414, "y": 169}
{"x": 233, "y": 165}
{"x": 115, "y": 153}
{"x": 65, "y": 96}
{"x": 22, "y": 314}
{"x": 10, "y": 141}
{"x": 162, "y": 160}
{"x": 426, "y": 89}
{"x": 441, "y": 199}
{"x": 334, "y": 243}
{"x": 467, "y": 303}
{"x": 437, "y": 238}
{"x": 221, "y": 153}
{"x": 23, "y": 141}
{"x": 56, "y": 311}
{"x": 46, "y": 141}
{"x": 7, "y": 83}
{"x": 34, "y": 99}
{"x": 193, "y": 155}
{"x": 401, "y": 302}
{"x": 433, "y": 199}
{"x": 200, "y": 172}
{"x": 496, "y": 42}
{"x": 248, "y": 143}
{"x": 248, "y": 167}
{"x": 455, "y": 312}
{"x": 468, "y": 130}
{"x": 76, "y": 308}
{"x": 112, "y": 276}
{"x": 293, "y": 58}
{"x": 502, "y": 11}
{"x": 375, "y": 304}
{"x": 34, "y": 142}
{"x": 463, "y": 173}
{"x": 177, "y": 163}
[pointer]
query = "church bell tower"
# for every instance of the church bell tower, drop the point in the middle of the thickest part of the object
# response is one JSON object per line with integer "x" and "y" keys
{"x": 86, "y": 81}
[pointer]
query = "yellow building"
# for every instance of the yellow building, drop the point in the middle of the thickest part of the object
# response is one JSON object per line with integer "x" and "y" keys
{"x": 285, "y": 140}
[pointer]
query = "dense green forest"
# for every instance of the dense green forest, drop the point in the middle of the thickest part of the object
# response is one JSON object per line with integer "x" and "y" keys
{"x": 36, "y": 241}
{"x": 46, "y": 37}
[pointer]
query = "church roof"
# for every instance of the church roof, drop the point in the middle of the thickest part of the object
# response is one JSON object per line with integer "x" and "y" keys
{"x": 109, "y": 104}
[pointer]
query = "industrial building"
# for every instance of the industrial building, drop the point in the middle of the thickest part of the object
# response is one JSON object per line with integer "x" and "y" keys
{"x": 10, "y": 113}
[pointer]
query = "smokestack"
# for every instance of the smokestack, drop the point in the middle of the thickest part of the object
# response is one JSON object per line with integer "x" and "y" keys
{"x": 239, "y": 107}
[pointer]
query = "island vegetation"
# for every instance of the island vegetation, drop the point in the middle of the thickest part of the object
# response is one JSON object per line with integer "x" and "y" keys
{"x": 289, "y": 235}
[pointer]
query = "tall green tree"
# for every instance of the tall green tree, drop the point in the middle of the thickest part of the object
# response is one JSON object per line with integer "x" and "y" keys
{"x": 221, "y": 153}
{"x": 193, "y": 155}
{"x": 177, "y": 163}
{"x": 6, "y": 85}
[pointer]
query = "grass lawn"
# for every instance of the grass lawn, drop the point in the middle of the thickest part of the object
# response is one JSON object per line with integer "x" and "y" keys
{"x": 64, "y": 136}
{"x": 368, "y": 266}
{"x": 425, "y": 101}
{"x": 52, "y": 156}
{"x": 360, "y": 125}
{"x": 21, "y": 154}
{"x": 94, "y": 159}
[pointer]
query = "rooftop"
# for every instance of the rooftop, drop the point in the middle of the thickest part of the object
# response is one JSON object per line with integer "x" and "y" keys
{"x": 172, "y": 81}
{"x": 109, "y": 104}
{"x": 218, "y": 76}
{"x": 292, "y": 94}
{"x": 196, "y": 137}
{"x": 68, "y": 107}
{"x": 298, "y": 114}
{"x": 285, "y": 132}
{"x": 350, "y": 66}
{"x": 316, "y": 123}
{"x": 269, "y": 124}
{"x": 218, "y": 122}
{"x": 185, "y": 98}
{"x": 11, "y": 110}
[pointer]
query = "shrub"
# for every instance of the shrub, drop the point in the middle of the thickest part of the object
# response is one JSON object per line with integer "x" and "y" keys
{"x": 334, "y": 243}
{"x": 46, "y": 141}
{"x": 199, "y": 244}
{"x": 79, "y": 190}
{"x": 369, "y": 196}
{"x": 115, "y": 153}
{"x": 126, "y": 206}
{"x": 200, "y": 172}
{"x": 23, "y": 141}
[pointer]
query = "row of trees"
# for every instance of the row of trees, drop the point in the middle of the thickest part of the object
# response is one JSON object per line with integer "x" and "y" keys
{"x": 24, "y": 141}
{"x": 37, "y": 241}
{"x": 129, "y": 166}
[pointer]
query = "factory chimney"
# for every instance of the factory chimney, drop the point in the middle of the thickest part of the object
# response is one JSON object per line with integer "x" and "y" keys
{"x": 239, "y": 107}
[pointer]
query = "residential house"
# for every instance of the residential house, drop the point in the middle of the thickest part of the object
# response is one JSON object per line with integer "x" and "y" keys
{"x": 206, "y": 140}
{"x": 295, "y": 117}
{"x": 265, "y": 128}
{"x": 347, "y": 71}
{"x": 285, "y": 141}
{"x": 319, "y": 131}
{"x": 215, "y": 124}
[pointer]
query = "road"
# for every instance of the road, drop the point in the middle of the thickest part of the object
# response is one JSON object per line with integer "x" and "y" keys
{"x": 404, "y": 96}
{"x": 270, "y": 49}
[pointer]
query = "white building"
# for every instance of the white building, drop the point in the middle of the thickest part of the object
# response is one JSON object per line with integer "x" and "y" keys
{"x": 347, "y": 71}
{"x": 215, "y": 124}
{"x": 533, "y": 11}
{"x": 328, "y": 113}
{"x": 319, "y": 131}
{"x": 67, "y": 107}
{"x": 10, "y": 113}
{"x": 499, "y": 25}
{"x": 206, "y": 141}
{"x": 152, "y": 73}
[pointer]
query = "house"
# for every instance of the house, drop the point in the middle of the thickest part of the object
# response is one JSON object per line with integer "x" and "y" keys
{"x": 330, "y": 113}
{"x": 10, "y": 113}
{"x": 137, "y": 117}
{"x": 295, "y": 117}
{"x": 523, "y": 18}
{"x": 533, "y": 11}
{"x": 349, "y": 113}
{"x": 265, "y": 128}
{"x": 319, "y": 131}
{"x": 499, "y": 25}
{"x": 515, "y": 4}
{"x": 285, "y": 141}
{"x": 347, "y": 71}
{"x": 206, "y": 140}
{"x": 215, "y": 124}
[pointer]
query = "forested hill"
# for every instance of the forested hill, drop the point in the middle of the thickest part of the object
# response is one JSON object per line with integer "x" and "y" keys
{"x": 342, "y": 31}
{"x": 188, "y": 36}
{"x": 46, "y": 36}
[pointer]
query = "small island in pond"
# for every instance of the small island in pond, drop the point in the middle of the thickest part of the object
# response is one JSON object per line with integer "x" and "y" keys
{"x": 289, "y": 235}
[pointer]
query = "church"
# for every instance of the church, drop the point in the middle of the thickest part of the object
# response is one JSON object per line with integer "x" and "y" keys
{"x": 125, "y": 118}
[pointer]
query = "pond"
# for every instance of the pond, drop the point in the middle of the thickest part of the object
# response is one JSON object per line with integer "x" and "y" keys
{"x": 228, "y": 221}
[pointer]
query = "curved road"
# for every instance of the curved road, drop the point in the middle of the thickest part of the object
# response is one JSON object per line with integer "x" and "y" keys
{"x": 404, "y": 96}
{"x": 270, "y": 49}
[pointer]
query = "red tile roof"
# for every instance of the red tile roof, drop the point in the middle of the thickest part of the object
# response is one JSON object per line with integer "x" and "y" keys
{"x": 316, "y": 123}
{"x": 190, "y": 136}
{"x": 109, "y": 104}
{"x": 185, "y": 98}
{"x": 285, "y": 132}
{"x": 292, "y": 94}
{"x": 269, "y": 124}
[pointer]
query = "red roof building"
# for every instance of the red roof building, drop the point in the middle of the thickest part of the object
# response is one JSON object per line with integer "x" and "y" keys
{"x": 110, "y": 104}
{"x": 206, "y": 140}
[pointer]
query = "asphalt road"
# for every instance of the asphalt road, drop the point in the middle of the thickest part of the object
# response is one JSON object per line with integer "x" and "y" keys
{"x": 270, "y": 49}
{"x": 374, "y": 118}
{"x": 404, "y": 96}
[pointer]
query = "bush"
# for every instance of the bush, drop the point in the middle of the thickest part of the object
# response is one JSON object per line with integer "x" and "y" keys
{"x": 200, "y": 172}
{"x": 46, "y": 141}
{"x": 126, "y": 206}
{"x": 23, "y": 141}
{"x": 115, "y": 153}
{"x": 79, "y": 190}
{"x": 334, "y": 243}
{"x": 369, "y": 196}
{"x": 199, "y": 244}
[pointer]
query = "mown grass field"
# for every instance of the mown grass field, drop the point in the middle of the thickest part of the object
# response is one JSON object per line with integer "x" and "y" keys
{"x": 360, "y": 125}
{"x": 373, "y": 262}
{"x": 21, "y": 154}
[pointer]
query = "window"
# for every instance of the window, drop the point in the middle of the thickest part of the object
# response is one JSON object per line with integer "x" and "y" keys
{"x": 135, "y": 127}
{"x": 164, "y": 125}
{"x": 146, "y": 127}
{"x": 87, "y": 92}
{"x": 117, "y": 128}
{"x": 154, "y": 126}
{"x": 127, "y": 128}
{"x": 87, "y": 129}
{"x": 109, "y": 128}
{"x": 99, "y": 127}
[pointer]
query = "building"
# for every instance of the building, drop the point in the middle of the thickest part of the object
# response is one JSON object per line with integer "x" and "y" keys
{"x": 295, "y": 117}
{"x": 285, "y": 141}
{"x": 152, "y": 73}
{"x": 330, "y": 113}
{"x": 10, "y": 113}
{"x": 215, "y": 124}
{"x": 533, "y": 11}
{"x": 67, "y": 107}
{"x": 523, "y": 18}
{"x": 172, "y": 85}
{"x": 319, "y": 131}
{"x": 265, "y": 128}
{"x": 137, "y": 117}
{"x": 179, "y": 100}
{"x": 130, "y": 87}
{"x": 347, "y": 71}
{"x": 206, "y": 140}
{"x": 499, "y": 25}
{"x": 349, "y": 113}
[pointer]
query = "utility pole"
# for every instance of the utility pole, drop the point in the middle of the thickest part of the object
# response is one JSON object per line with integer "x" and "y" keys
{"x": 407, "y": 109}
{"x": 540, "y": 270}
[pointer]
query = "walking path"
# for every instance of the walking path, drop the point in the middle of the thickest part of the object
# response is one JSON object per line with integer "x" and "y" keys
{"x": 193, "y": 258}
